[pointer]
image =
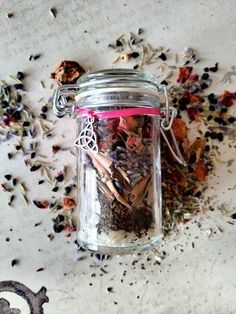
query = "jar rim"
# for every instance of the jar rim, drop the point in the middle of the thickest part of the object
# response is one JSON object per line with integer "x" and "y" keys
{"x": 119, "y": 75}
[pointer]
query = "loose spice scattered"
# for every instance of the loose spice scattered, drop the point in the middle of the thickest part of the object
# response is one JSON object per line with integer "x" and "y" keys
{"x": 188, "y": 95}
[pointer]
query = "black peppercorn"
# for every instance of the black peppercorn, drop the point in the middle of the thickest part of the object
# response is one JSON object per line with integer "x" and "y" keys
{"x": 58, "y": 228}
{"x": 60, "y": 178}
{"x": 135, "y": 54}
{"x": 206, "y": 69}
{"x": 8, "y": 177}
{"x": 16, "y": 115}
{"x": 212, "y": 108}
{"x": 205, "y": 76}
{"x": 215, "y": 68}
{"x": 67, "y": 189}
{"x": 35, "y": 168}
{"x": 55, "y": 189}
{"x": 44, "y": 109}
{"x": 204, "y": 86}
{"x": 209, "y": 118}
{"x": 233, "y": 216}
{"x": 43, "y": 115}
{"x": 4, "y": 104}
{"x": 224, "y": 110}
{"x": 207, "y": 134}
{"x": 20, "y": 75}
{"x": 220, "y": 137}
{"x": 207, "y": 148}
{"x": 119, "y": 43}
{"x": 18, "y": 86}
{"x": 198, "y": 194}
{"x": 231, "y": 120}
{"x": 162, "y": 56}
{"x": 9, "y": 110}
{"x": 192, "y": 158}
{"x": 59, "y": 218}
{"x": 214, "y": 135}
{"x": 26, "y": 123}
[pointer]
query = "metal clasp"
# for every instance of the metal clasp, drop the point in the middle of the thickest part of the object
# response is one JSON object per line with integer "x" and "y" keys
{"x": 168, "y": 115}
{"x": 61, "y": 105}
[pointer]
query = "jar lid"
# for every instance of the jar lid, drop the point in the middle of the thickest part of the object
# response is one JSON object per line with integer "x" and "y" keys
{"x": 118, "y": 77}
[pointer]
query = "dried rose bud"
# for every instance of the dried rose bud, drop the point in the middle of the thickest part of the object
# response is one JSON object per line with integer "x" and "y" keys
{"x": 41, "y": 204}
{"x": 69, "y": 203}
{"x": 184, "y": 74}
{"x": 67, "y": 72}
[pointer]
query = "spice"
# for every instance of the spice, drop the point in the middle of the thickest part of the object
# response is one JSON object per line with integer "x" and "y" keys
{"x": 20, "y": 75}
{"x": 35, "y": 168}
{"x": 9, "y": 15}
{"x": 53, "y": 12}
{"x": 14, "y": 262}
{"x": 41, "y": 204}
{"x": 233, "y": 216}
{"x": 67, "y": 72}
{"x": 60, "y": 177}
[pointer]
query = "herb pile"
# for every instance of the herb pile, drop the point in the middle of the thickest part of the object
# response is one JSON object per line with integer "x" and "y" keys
{"x": 182, "y": 187}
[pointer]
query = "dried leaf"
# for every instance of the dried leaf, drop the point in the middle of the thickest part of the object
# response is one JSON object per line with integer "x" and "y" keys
{"x": 193, "y": 114}
{"x": 227, "y": 99}
{"x": 180, "y": 130}
{"x": 200, "y": 171}
{"x": 184, "y": 74}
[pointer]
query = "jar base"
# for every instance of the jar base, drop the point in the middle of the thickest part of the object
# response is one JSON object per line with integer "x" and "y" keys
{"x": 121, "y": 250}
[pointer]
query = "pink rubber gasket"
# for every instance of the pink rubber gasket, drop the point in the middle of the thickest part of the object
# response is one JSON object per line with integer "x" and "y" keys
{"x": 119, "y": 113}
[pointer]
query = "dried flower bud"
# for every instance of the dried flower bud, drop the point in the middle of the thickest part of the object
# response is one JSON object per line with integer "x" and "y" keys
{"x": 69, "y": 203}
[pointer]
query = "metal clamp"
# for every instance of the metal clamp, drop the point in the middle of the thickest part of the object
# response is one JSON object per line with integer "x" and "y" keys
{"x": 169, "y": 113}
{"x": 61, "y": 105}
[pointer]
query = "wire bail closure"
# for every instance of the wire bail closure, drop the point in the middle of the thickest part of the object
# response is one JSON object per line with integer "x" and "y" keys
{"x": 168, "y": 115}
{"x": 61, "y": 106}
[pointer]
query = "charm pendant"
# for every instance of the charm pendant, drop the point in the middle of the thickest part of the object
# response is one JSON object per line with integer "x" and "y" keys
{"x": 87, "y": 139}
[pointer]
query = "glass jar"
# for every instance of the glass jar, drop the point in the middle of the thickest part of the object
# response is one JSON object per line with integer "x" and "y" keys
{"x": 118, "y": 159}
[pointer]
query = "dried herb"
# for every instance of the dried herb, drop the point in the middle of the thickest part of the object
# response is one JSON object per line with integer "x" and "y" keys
{"x": 67, "y": 72}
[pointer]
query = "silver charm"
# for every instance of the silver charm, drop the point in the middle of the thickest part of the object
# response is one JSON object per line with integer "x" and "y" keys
{"x": 87, "y": 139}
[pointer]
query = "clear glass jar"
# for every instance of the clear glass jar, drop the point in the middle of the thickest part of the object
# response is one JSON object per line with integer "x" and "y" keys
{"x": 118, "y": 160}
